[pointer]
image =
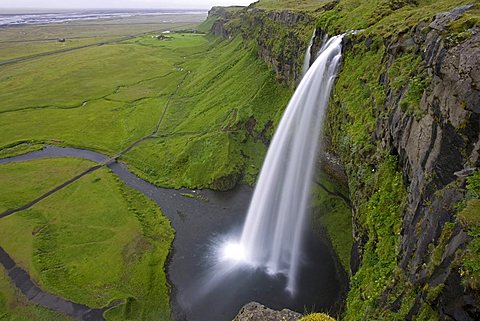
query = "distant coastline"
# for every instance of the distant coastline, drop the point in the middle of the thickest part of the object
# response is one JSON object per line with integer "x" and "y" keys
{"x": 15, "y": 17}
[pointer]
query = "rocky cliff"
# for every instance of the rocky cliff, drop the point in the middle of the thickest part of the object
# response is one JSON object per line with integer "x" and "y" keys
{"x": 404, "y": 120}
{"x": 281, "y": 37}
{"x": 415, "y": 113}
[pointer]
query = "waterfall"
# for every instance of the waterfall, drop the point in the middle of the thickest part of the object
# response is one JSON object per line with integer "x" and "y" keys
{"x": 308, "y": 54}
{"x": 272, "y": 234}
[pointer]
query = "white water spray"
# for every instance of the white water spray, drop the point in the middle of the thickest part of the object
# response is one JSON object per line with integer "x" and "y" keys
{"x": 272, "y": 233}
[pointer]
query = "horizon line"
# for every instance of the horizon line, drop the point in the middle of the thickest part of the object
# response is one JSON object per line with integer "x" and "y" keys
{"x": 88, "y": 8}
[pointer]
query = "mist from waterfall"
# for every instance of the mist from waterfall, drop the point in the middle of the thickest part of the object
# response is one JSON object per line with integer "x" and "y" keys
{"x": 272, "y": 234}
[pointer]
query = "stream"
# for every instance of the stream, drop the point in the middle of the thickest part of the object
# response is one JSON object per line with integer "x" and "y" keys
{"x": 202, "y": 290}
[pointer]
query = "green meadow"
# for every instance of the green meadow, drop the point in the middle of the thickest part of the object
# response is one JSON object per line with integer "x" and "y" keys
{"x": 94, "y": 242}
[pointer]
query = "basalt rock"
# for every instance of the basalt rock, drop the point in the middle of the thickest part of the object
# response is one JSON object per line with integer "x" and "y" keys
{"x": 434, "y": 149}
{"x": 281, "y": 37}
{"x": 256, "y": 312}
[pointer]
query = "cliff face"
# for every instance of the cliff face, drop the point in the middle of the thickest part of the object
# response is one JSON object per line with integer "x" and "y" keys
{"x": 420, "y": 107}
{"x": 404, "y": 119}
{"x": 281, "y": 37}
{"x": 437, "y": 148}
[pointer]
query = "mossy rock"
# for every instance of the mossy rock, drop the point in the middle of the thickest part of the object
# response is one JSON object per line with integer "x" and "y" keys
{"x": 317, "y": 317}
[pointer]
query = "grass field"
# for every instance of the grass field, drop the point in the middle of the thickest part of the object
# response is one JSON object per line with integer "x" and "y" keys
{"x": 94, "y": 98}
{"x": 22, "y": 182}
{"x": 22, "y": 41}
{"x": 93, "y": 242}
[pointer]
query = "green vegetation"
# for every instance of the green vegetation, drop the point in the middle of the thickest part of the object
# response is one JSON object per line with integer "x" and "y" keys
{"x": 381, "y": 216}
{"x": 97, "y": 114}
{"x": 212, "y": 111}
{"x": 210, "y": 129}
{"x": 333, "y": 213}
{"x": 19, "y": 149}
{"x": 301, "y": 5}
{"x": 195, "y": 196}
{"x": 317, "y": 317}
{"x": 207, "y": 25}
{"x": 14, "y": 306}
{"x": 28, "y": 40}
{"x": 383, "y": 17}
{"x": 23, "y": 182}
{"x": 94, "y": 242}
{"x": 209, "y": 103}
{"x": 375, "y": 182}
{"x": 469, "y": 217}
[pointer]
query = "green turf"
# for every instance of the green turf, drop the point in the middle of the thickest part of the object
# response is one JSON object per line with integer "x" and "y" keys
{"x": 23, "y": 182}
{"x": 93, "y": 242}
{"x": 93, "y": 98}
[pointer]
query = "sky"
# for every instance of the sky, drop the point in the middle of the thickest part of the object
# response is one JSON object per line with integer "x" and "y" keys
{"x": 200, "y": 4}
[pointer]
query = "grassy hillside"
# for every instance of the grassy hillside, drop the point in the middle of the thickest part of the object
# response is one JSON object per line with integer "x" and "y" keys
{"x": 210, "y": 128}
{"x": 93, "y": 242}
{"x": 300, "y": 5}
{"x": 202, "y": 89}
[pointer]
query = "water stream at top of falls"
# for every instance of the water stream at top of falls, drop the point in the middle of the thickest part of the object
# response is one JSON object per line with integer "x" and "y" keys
{"x": 272, "y": 234}
{"x": 308, "y": 54}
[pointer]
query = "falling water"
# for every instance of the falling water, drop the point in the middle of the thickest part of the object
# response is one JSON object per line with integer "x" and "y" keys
{"x": 308, "y": 54}
{"x": 272, "y": 233}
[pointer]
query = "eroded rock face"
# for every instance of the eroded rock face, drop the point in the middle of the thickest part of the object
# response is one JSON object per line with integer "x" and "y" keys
{"x": 279, "y": 36}
{"x": 433, "y": 150}
{"x": 254, "y": 311}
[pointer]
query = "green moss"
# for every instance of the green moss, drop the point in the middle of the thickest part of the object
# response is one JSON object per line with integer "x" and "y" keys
{"x": 297, "y": 5}
{"x": 439, "y": 249}
{"x": 331, "y": 212}
{"x": 469, "y": 217}
{"x": 426, "y": 313}
{"x": 383, "y": 17}
{"x": 317, "y": 317}
{"x": 433, "y": 293}
{"x": 461, "y": 29}
{"x": 382, "y": 220}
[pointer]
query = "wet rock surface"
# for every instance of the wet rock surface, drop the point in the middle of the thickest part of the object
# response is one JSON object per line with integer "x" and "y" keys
{"x": 254, "y": 311}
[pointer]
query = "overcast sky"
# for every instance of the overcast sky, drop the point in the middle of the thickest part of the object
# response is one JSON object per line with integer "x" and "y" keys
{"x": 119, "y": 3}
